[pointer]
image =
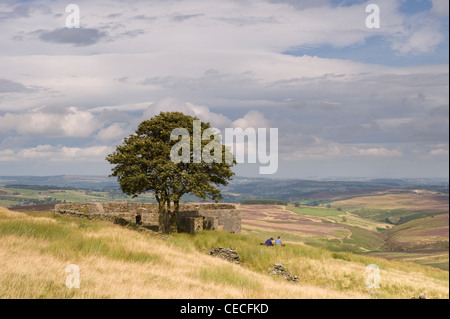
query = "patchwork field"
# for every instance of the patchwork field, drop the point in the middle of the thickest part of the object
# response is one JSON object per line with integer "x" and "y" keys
{"x": 397, "y": 207}
{"x": 425, "y": 239}
{"x": 21, "y": 196}
{"x": 315, "y": 226}
{"x": 408, "y": 200}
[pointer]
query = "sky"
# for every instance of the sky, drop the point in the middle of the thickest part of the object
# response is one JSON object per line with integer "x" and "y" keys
{"x": 347, "y": 100}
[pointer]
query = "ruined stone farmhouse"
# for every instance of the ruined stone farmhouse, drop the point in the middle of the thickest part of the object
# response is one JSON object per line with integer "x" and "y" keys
{"x": 192, "y": 217}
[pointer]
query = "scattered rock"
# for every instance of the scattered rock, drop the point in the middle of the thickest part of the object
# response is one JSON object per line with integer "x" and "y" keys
{"x": 229, "y": 254}
{"x": 420, "y": 297}
{"x": 279, "y": 270}
{"x": 423, "y": 295}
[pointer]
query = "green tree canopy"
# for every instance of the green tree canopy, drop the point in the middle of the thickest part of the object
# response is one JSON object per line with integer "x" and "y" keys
{"x": 143, "y": 163}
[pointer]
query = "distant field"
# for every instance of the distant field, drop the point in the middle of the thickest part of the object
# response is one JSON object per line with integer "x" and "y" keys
{"x": 7, "y": 203}
{"x": 341, "y": 232}
{"x": 360, "y": 222}
{"x": 34, "y": 208}
{"x": 17, "y": 196}
{"x": 424, "y": 233}
{"x": 435, "y": 258}
{"x": 323, "y": 212}
{"x": 413, "y": 201}
{"x": 397, "y": 208}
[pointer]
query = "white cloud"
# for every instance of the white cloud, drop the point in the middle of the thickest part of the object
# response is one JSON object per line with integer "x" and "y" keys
{"x": 200, "y": 111}
{"x": 439, "y": 152}
{"x": 40, "y": 151}
{"x": 440, "y": 8}
{"x": 253, "y": 119}
{"x": 315, "y": 148}
{"x": 51, "y": 121}
{"x": 198, "y": 25}
{"x": 113, "y": 132}
{"x": 218, "y": 59}
{"x": 57, "y": 153}
{"x": 380, "y": 152}
{"x": 7, "y": 155}
{"x": 392, "y": 123}
{"x": 418, "y": 40}
{"x": 93, "y": 153}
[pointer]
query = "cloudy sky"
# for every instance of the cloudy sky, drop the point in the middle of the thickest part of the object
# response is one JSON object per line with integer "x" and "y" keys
{"x": 347, "y": 100}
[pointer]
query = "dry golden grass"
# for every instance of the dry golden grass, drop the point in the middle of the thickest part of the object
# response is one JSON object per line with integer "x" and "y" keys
{"x": 117, "y": 262}
{"x": 27, "y": 270}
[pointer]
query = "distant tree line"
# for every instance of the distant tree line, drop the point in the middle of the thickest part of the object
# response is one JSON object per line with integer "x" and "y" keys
{"x": 310, "y": 202}
{"x": 48, "y": 200}
{"x": 11, "y": 198}
{"x": 263, "y": 202}
{"x": 32, "y": 201}
{"x": 39, "y": 187}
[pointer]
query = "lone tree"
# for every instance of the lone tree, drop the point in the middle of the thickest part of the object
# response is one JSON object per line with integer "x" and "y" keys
{"x": 144, "y": 162}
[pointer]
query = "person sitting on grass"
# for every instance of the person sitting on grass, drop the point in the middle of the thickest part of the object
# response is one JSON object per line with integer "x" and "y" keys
{"x": 278, "y": 241}
{"x": 269, "y": 242}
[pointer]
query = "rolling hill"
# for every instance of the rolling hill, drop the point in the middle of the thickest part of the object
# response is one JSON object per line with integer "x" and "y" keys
{"x": 419, "y": 234}
{"x": 118, "y": 262}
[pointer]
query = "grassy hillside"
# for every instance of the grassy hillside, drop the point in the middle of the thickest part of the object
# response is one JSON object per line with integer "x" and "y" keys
{"x": 424, "y": 233}
{"x": 397, "y": 207}
{"x": 316, "y": 226}
{"x": 425, "y": 240}
{"x": 117, "y": 262}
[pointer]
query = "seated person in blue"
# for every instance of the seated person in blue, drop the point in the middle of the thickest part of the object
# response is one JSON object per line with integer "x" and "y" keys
{"x": 278, "y": 241}
{"x": 269, "y": 242}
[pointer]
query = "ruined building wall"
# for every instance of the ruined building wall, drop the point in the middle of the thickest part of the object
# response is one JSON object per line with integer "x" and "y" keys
{"x": 215, "y": 216}
{"x": 191, "y": 218}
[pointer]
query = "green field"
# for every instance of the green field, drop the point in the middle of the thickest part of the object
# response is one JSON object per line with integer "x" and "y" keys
{"x": 40, "y": 195}
{"x": 313, "y": 211}
{"x": 394, "y": 216}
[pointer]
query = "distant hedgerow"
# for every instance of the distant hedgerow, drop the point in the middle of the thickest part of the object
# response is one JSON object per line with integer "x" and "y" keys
{"x": 263, "y": 202}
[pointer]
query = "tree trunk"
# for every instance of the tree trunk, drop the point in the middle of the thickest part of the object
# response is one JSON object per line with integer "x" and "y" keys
{"x": 161, "y": 216}
{"x": 167, "y": 218}
{"x": 174, "y": 217}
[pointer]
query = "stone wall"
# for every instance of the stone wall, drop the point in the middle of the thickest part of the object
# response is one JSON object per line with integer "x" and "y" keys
{"x": 227, "y": 217}
{"x": 108, "y": 211}
{"x": 191, "y": 218}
